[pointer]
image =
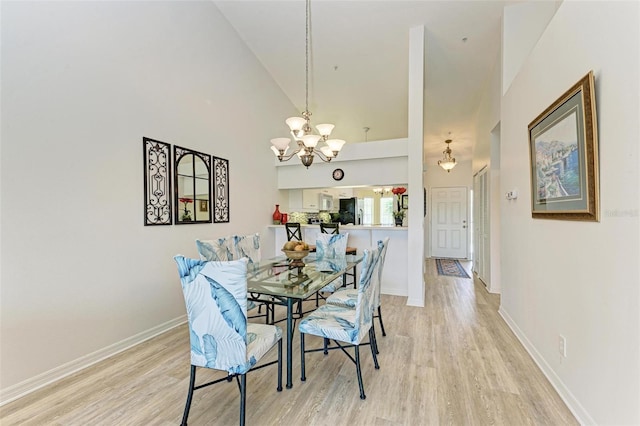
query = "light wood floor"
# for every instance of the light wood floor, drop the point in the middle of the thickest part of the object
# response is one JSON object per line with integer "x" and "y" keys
{"x": 453, "y": 362}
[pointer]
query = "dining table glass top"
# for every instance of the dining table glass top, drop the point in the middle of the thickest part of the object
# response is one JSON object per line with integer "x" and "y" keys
{"x": 276, "y": 277}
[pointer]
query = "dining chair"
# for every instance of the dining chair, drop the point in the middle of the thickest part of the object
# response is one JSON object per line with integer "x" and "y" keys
{"x": 215, "y": 295}
{"x": 347, "y": 297}
{"x": 334, "y": 228}
{"x": 331, "y": 255}
{"x": 330, "y": 228}
{"x": 234, "y": 247}
{"x": 345, "y": 325}
{"x": 219, "y": 249}
{"x": 293, "y": 231}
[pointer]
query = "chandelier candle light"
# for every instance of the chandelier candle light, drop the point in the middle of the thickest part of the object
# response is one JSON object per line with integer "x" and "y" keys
{"x": 301, "y": 126}
{"x": 447, "y": 162}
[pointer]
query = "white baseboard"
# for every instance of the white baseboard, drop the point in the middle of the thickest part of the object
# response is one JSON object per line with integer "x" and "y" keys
{"x": 415, "y": 302}
{"x": 573, "y": 404}
{"x": 394, "y": 291}
{"x": 23, "y": 388}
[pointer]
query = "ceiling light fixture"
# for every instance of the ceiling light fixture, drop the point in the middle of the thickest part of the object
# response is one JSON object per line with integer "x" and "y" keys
{"x": 301, "y": 127}
{"x": 447, "y": 162}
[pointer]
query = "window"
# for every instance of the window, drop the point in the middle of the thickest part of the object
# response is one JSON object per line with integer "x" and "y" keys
{"x": 367, "y": 211}
{"x": 386, "y": 211}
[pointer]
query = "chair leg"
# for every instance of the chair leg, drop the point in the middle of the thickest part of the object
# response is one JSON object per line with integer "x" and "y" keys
{"x": 362, "y": 395}
{"x": 303, "y": 376}
{"x": 374, "y": 342}
{"x": 384, "y": 333}
{"x": 326, "y": 346}
{"x": 243, "y": 397}
{"x": 187, "y": 407}
{"x": 374, "y": 346}
{"x": 279, "y": 365}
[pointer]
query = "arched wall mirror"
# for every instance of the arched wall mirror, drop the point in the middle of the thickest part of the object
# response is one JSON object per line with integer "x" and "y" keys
{"x": 192, "y": 186}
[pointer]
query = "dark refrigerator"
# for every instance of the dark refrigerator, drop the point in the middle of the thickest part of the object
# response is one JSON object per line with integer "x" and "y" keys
{"x": 349, "y": 211}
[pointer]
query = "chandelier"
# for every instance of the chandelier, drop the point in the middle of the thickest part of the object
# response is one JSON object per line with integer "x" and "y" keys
{"x": 447, "y": 162}
{"x": 380, "y": 191}
{"x": 301, "y": 126}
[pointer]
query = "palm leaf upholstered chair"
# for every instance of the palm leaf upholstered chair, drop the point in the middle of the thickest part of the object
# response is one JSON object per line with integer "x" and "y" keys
{"x": 249, "y": 246}
{"x": 331, "y": 255}
{"x": 334, "y": 228}
{"x": 294, "y": 232}
{"x": 215, "y": 294}
{"x": 345, "y": 325}
{"x": 226, "y": 248}
{"x": 347, "y": 297}
{"x": 219, "y": 249}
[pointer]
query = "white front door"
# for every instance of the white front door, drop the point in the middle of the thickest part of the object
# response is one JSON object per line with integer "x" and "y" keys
{"x": 449, "y": 222}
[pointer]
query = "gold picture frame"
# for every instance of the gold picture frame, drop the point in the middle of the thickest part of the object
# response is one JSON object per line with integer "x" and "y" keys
{"x": 563, "y": 150}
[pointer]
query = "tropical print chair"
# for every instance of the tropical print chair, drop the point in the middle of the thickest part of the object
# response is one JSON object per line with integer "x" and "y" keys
{"x": 334, "y": 228}
{"x": 346, "y": 325}
{"x": 235, "y": 247}
{"x": 219, "y": 249}
{"x": 248, "y": 246}
{"x": 215, "y": 294}
{"x": 347, "y": 297}
{"x": 331, "y": 256}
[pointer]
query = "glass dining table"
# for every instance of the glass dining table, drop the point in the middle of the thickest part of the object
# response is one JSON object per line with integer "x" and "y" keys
{"x": 285, "y": 285}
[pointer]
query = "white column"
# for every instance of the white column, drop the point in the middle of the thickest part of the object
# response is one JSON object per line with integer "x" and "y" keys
{"x": 415, "y": 260}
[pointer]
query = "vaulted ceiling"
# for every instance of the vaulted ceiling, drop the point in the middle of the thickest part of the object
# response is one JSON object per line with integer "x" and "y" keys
{"x": 359, "y": 62}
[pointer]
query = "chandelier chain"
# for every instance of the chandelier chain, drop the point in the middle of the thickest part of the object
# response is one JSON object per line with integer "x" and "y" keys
{"x": 306, "y": 54}
{"x": 300, "y": 127}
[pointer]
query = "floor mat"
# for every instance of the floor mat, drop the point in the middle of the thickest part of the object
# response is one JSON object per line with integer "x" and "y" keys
{"x": 451, "y": 268}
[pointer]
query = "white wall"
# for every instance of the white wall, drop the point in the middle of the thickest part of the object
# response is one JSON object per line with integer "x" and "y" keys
{"x": 579, "y": 279}
{"x": 367, "y": 163}
{"x": 523, "y": 23}
{"x": 82, "y": 83}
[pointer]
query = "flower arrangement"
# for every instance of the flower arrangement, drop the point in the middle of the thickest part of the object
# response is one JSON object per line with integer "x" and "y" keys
{"x": 399, "y": 214}
{"x": 186, "y": 213}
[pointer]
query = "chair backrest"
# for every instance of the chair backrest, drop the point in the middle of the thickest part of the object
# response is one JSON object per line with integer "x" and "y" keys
{"x": 331, "y": 252}
{"x": 330, "y": 228}
{"x": 220, "y": 249}
{"x": 215, "y": 294}
{"x": 246, "y": 246}
{"x": 366, "y": 289}
{"x": 293, "y": 231}
{"x": 383, "y": 245}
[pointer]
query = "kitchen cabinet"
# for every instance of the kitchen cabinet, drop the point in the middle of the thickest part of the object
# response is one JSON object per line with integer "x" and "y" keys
{"x": 295, "y": 200}
{"x": 310, "y": 199}
{"x": 345, "y": 192}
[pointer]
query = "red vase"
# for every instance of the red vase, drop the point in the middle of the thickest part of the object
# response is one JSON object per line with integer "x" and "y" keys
{"x": 277, "y": 216}
{"x": 284, "y": 218}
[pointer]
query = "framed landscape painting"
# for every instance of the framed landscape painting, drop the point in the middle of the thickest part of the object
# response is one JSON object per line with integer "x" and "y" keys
{"x": 563, "y": 148}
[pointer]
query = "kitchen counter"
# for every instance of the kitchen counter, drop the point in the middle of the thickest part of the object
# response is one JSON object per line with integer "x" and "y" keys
{"x": 394, "y": 275}
{"x": 347, "y": 227}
